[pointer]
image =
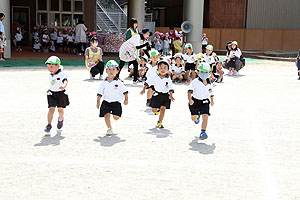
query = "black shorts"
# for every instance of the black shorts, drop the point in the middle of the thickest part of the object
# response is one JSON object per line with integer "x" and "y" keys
{"x": 204, "y": 46}
{"x": 45, "y": 44}
{"x": 70, "y": 44}
{"x": 114, "y": 108}
{"x": 58, "y": 99}
{"x": 201, "y": 106}
{"x": 18, "y": 43}
{"x": 190, "y": 66}
{"x": 60, "y": 44}
{"x": 160, "y": 99}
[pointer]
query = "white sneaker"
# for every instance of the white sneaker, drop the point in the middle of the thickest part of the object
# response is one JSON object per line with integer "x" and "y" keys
{"x": 109, "y": 131}
{"x": 1, "y": 59}
{"x": 140, "y": 79}
{"x": 101, "y": 77}
{"x": 91, "y": 77}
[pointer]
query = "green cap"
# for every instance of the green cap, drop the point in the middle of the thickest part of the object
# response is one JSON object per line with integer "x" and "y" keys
{"x": 154, "y": 53}
{"x": 210, "y": 47}
{"x": 188, "y": 45}
{"x": 178, "y": 55}
{"x": 53, "y": 60}
{"x": 204, "y": 67}
{"x": 111, "y": 63}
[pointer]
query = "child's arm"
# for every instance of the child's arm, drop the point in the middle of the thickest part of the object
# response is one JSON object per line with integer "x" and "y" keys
{"x": 143, "y": 91}
{"x": 126, "y": 99}
{"x": 212, "y": 100}
{"x": 98, "y": 101}
{"x": 64, "y": 85}
{"x": 191, "y": 102}
{"x": 171, "y": 96}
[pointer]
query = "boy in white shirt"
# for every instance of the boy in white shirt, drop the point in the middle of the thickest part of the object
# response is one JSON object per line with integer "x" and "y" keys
{"x": 162, "y": 85}
{"x": 200, "y": 96}
{"x": 113, "y": 91}
{"x": 19, "y": 38}
{"x": 190, "y": 62}
{"x": 56, "y": 94}
{"x": 177, "y": 69}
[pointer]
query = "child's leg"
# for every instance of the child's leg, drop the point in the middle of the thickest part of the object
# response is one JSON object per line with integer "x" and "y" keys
{"x": 50, "y": 114}
{"x": 193, "y": 75}
{"x": 107, "y": 120}
{"x": 155, "y": 110}
{"x": 149, "y": 93}
{"x": 180, "y": 77}
{"x": 162, "y": 113}
{"x": 204, "y": 121}
{"x": 187, "y": 75}
{"x": 116, "y": 117}
{"x": 61, "y": 113}
{"x": 174, "y": 77}
{"x": 194, "y": 117}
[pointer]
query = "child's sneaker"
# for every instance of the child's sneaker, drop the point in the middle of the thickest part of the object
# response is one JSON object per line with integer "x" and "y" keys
{"x": 101, "y": 77}
{"x": 48, "y": 129}
{"x": 157, "y": 112}
{"x": 159, "y": 124}
{"x": 140, "y": 79}
{"x": 188, "y": 81}
{"x": 92, "y": 78}
{"x": 203, "y": 135}
{"x": 60, "y": 124}
{"x": 109, "y": 131}
{"x": 198, "y": 119}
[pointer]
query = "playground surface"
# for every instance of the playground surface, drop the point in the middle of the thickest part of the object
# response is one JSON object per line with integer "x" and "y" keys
{"x": 252, "y": 151}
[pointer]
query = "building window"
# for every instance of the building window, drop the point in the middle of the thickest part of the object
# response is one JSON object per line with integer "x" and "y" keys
{"x": 59, "y": 13}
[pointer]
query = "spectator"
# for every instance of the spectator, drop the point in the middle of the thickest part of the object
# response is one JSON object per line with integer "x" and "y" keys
{"x": 172, "y": 34}
{"x": 177, "y": 44}
{"x": 235, "y": 63}
{"x": 80, "y": 36}
{"x": 132, "y": 30}
{"x": 2, "y": 17}
{"x": 157, "y": 42}
{"x": 19, "y": 38}
{"x": 204, "y": 42}
{"x": 166, "y": 46}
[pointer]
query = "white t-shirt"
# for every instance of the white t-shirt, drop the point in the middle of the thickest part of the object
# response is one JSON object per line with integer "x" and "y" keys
{"x": 57, "y": 80}
{"x": 237, "y": 53}
{"x": 128, "y": 49}
{"x": 209, "y": 59}
{"x": 190, "y": 58}
{"x": 162, "y": 85}
{"x": 37, "y": 46}
{"x": 19, "y": 37}
{"x": 199, "y": 90}
{"x": 60, "y": 39}
{"x": 53, "y": 36}
{"x": 140, "y": 67}
{"x": 177, "y": 70}
{"x": 45, "y": 38}
{"x": 70, "y": 38}
{"x": 113, "y": 91}
{"x": 204, "y": 40}
{"x": 35, "y": 35}
{"x": 152, "y": 70}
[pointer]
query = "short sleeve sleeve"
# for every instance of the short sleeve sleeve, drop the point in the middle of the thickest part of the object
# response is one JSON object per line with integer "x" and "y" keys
{"x": 211, "y": 92}
{"x": 86, "y": 53}
{"x": 122, "y": 88}
{"x": 101, "y": 89}
{"x": 192, "y": 87}
{"x": 171, "y": 89}
{"x": 149, "y": 81}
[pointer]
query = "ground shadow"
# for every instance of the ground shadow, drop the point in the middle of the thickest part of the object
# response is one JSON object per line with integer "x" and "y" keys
{"x": 159, "y": 133}
{"x": 238, "y": 76}
{"x": 108, "y": 141}
{"x": 92, "y": 80}
{"x": 48, "y": 140}
{"x": 141, "y": 85}
{"x": 202, "y": 147}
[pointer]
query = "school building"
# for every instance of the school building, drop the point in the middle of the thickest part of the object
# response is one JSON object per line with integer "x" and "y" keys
{"x": 255, "y": 24}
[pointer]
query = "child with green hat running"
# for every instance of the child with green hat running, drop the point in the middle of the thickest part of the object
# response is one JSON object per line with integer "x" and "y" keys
{"x": 113, "y": 91}
{"x": 56, "y": 94}
{"x": 200, "y": 97}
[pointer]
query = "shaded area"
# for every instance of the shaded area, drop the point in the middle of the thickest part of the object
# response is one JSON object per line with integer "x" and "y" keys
{"x": 159, "y": 133}
{"x": 109, "y": 141}
{"x": 202, "y": 147}
{"x": 48, "y": 140}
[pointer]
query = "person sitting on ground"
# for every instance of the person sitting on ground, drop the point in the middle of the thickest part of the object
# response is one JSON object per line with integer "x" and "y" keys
{"x": 93, "y": 59}
{"x": 177, "y": 69}
{"x": 235, "y": 63}
{"x": 218, "y": 72}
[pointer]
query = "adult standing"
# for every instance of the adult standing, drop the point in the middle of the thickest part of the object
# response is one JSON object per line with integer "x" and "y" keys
{"x": 128, "y": 50}
{"x": 172, "y": 36}
{"x": 2, "y": 17}
{"x": 132, "y": 30}
{"x": 80, "y": 36}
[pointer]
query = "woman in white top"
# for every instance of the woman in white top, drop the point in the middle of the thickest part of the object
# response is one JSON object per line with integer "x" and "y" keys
{"x": 80, "y": 36}
{"x": 235, "y": 63}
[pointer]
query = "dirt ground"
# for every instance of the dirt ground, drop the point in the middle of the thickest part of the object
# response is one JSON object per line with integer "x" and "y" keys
{"x": 252, "y": 151}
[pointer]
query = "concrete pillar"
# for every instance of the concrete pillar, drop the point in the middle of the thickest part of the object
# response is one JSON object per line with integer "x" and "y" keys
{"x": 136, "y": 9}
{"x": 5, "y": 8}
{"x": 193, "y": 12}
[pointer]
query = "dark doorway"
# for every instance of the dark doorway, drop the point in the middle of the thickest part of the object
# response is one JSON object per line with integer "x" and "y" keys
{"x": 20, "y": 18}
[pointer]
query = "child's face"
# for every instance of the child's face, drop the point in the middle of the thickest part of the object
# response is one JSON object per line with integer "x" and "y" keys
{"x": 208, "y": 51}
{"x": 52, "y": 68}
{"x": 178, "y": 61}
{"x": 188, "y": 50}
{"x": 155, "y": 58}
{"x": 112, "y": 71}
{"x": 233, "y": 46}
{"x": 163, "y": 69}
{"x": 94, "y": 43}
{"x": 142, "y": 62}
{"x": 219, "y": 65}
{"x": 172, "y": 61}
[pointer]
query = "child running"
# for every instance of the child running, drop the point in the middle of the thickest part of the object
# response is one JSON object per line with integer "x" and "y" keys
{"x": 56, "y": 94}
{"x": 113, "y": 91}
{"x": 200, "y": 96}
{"x": 163, "y": 88}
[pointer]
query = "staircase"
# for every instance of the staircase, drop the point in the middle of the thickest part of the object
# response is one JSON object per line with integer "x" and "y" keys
{"x": 111, "y": 18}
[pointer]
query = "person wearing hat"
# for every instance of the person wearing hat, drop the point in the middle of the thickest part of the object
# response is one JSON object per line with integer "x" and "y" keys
{"x": 151, "y": 71}
{"x": 235, "y": 63}
{"x": 112, "y": 91}
{"x": 93, "y": 59}
{"x": 163, "y": 91}
{"x": 211, "y": 58}
{"x": 190, "y": 62}
{"x": 177, "y": 69}
{"x": 45, "y": 40}
{"x": 128, "y": 51}
{"x": 56, "y": 94}
{"x": 18, "y": 38}
{"x": 132, "y": 30}
{"x": 200, "y": 97}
